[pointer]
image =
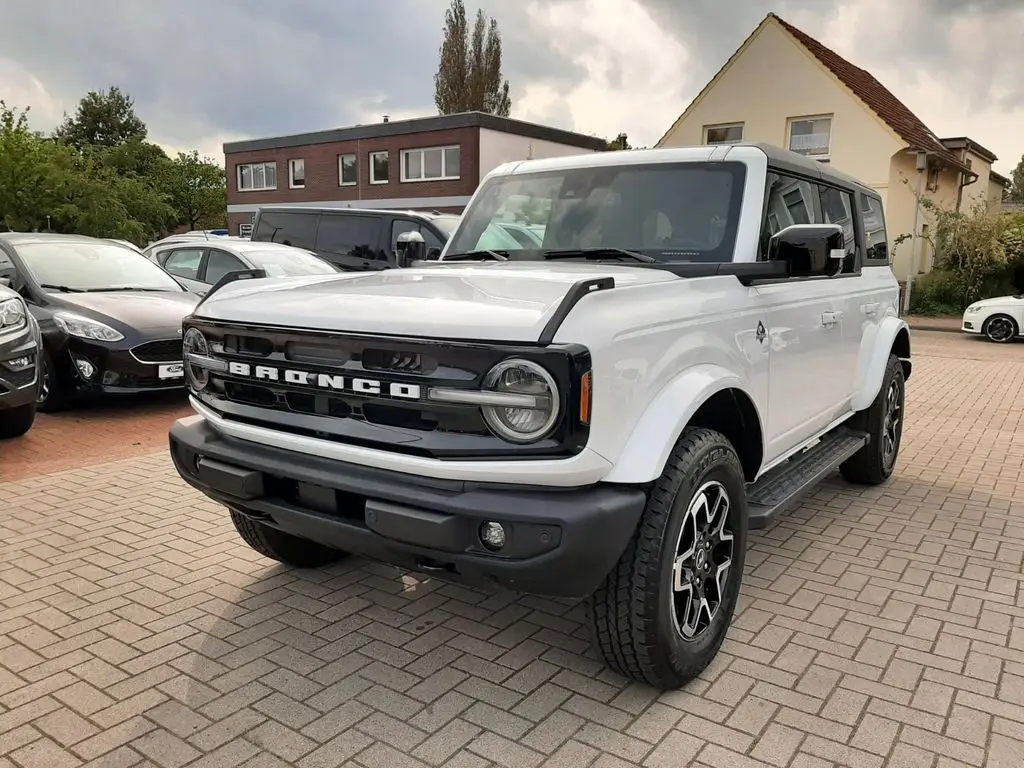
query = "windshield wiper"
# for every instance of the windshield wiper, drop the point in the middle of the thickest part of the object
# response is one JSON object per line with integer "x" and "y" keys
{"x": 61, "y": 288}
{"x": 469, "y": 255}
{"x": 598, "y": 253}
{"x": 125, "y": 288}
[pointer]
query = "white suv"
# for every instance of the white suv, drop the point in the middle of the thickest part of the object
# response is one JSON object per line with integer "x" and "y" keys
{"x": 702, "y": 335}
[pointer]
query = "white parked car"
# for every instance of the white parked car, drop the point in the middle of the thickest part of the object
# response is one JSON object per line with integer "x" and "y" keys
{"x": 198, "y": 263}
{"x": 1000, "y": 319}
{"x": 702, "y": 336}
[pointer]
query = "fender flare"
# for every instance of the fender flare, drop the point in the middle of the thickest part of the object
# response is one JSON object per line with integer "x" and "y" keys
{"x": 646, "y": 452}
{"x": 875, "y": 349}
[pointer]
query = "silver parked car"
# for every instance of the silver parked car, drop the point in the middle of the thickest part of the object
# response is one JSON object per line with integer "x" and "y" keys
{"x": 199, "y": 263}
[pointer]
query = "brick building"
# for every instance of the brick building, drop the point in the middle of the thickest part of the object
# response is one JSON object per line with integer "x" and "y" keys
{"x": 429, "y": 163}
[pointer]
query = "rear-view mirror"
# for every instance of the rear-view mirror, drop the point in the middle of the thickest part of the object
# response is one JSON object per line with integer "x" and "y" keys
{"x": 809, "y": 250}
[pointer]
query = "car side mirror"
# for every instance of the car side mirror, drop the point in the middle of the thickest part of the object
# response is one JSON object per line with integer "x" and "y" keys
{"x": 410, "y": 247}
{"x": 809, "y": 250}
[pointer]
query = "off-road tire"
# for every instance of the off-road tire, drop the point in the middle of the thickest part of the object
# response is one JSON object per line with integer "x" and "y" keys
{"x": 15, "y": 422}
{"x": 631, "y": 612}
{"x": 869, "y": 466}
{"x": 986, "y": 329}
{"x": 283, "y": 547}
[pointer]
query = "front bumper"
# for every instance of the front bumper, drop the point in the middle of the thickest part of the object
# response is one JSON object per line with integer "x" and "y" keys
{"x": 19, "y": 370}
{"x": 559, "y": 542}
{"x": 97, "y": 368}
{"x": 971, "y": 324}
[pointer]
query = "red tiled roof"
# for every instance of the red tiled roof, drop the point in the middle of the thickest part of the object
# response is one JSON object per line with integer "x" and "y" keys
{"x": 876, "y": 97}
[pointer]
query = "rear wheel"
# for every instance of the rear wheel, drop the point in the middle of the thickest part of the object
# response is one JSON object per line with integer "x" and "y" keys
{"x": 883, "y": 421}
{"x": 662, "y": 612}
{"x": 1000, "y": 329}
{"x": 283, "y": 547}
{"x": 15, "y": 422}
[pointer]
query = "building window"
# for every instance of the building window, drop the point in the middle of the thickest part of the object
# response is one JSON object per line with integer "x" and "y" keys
{"x": 430, "y": 164}
{"x": 256, "y": 176}
{"x": 348, "y": 173}
{"x": 723, "y": 134}
{"x": 378, "y": 167}
{"x": 297, "y": 174}
{"x": 811, "y": 136}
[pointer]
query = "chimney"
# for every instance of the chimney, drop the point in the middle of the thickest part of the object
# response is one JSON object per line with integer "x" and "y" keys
{"x": 385, "y": 118}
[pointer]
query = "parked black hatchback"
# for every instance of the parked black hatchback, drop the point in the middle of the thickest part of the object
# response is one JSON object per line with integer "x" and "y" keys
{"x": 353, "y": 239}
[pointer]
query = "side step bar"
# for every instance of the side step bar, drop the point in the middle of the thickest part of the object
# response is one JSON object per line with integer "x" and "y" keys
{"x": 790, "y": 481}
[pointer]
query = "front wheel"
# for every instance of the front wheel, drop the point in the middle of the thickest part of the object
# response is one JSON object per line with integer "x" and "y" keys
{"x": 662, "y": 612}
{"x": 51, "y": 396}
{"x": 1000, "y": 329}
{"x": 15, "y": 422}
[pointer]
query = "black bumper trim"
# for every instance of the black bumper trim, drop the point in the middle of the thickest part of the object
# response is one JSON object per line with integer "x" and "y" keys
{"x": 560, "y": 542}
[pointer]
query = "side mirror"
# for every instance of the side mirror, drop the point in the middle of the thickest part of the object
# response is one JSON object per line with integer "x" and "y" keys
{"x": 810, "y": 250}
{"x": 410, "y": 247}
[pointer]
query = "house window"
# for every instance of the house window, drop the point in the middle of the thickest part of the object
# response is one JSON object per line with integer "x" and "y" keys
{"x": 256, "y": 176}
{"x": 348, "y": 173}
{"x": 297, "y": 174}
{"x": 430, "y": 164}
{"x": 811, "y": 136}
{"x": 378, "y": 167}
{"x": 723, "y": 134}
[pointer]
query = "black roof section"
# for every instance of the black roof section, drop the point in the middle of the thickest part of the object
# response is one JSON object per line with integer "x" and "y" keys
{"x": 787, "y": 160}
{"x": 420, "y": 125}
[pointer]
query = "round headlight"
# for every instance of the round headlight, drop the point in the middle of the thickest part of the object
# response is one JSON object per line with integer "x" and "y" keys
{"x": 534, "y": 412}
{"x": 194, "y": 343}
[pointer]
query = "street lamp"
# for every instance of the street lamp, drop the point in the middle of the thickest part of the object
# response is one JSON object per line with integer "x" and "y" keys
{"x": 922, "y": 167}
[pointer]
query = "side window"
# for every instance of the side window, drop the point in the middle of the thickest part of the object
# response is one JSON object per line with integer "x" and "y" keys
{"x": 343, "y": 235}
{"x": 434, "y": 244}
{"x": 789, "y": 201}
{"x": 837, "y": 207}
{"x": 219, "y": 264}
{"x": 184, "y": 262}
{"x": 288, "y": 227}
{"x": 876, "y": 245}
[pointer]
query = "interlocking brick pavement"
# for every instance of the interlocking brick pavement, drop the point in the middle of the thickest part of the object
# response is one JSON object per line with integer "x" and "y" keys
{"x": 878, "y": 627}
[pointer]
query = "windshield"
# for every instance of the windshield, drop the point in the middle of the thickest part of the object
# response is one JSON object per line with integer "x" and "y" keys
{"x": 668, "y": 211}
{"x": 447, "y": 223}
{"x": 289, "y": 263}
{"x": 86, "y": 265}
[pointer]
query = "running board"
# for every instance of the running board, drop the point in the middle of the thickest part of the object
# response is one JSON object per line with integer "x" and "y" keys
{"x": 788, "y": 482}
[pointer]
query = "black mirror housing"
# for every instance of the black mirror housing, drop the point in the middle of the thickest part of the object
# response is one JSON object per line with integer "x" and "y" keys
{"x": 810, "y": 250}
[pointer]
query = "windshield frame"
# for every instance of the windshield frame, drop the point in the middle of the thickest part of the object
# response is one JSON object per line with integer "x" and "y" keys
{"x": 29, "y": 254}
{"x": 723, "y": 253}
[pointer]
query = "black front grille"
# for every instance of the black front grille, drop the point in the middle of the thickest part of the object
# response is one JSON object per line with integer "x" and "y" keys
{"x": 162, "y": 351}
{"x": 264, "y": 393}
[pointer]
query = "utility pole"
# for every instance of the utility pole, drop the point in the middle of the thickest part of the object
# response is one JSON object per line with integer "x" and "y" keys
{"x": 922, "y": 167}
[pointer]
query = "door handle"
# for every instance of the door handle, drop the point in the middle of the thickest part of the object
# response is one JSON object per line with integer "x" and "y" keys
{"x": 829, "y": 319}
{"x": 869, "y": 308}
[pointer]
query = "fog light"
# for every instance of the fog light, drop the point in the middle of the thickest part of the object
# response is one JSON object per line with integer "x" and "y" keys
{"x": 85, "y": 368}
{"x": 492, "y": 535}
{"x": 19, "y": 363}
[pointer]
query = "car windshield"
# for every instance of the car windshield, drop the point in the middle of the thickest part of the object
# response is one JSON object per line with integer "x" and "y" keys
{"x": 289, "y": 262}
{"x": 680, "y": 212}
{"x": 92, "y": 265}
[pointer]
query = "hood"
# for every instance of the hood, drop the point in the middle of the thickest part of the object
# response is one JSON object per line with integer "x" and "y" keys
{"x": 511, "y": 301}
{"x": 141, "y": 310}
{"x": 998, "y": 301}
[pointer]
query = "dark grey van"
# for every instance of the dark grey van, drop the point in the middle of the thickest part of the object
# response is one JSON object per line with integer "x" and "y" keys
{"x": 354, "y": 239}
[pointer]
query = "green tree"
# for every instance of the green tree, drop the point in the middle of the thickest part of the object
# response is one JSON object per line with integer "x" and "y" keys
{"x": 619, "y": 142}
{"x": 102, "y": 119}
{"x": 469, "y": 75}
{"x": 197, "y": 189}
{"x": 1016, "y": 194}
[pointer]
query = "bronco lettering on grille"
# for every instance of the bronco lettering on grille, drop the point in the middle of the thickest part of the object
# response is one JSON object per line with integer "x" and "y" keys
{"x": 352, "y": 384}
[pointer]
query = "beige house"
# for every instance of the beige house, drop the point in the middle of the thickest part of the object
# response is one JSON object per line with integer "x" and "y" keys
{"x": 785, "y": 88}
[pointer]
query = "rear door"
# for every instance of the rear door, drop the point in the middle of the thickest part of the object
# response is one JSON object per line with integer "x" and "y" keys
{"x": 352, "y": 241}
{"x": 184, "y": 262}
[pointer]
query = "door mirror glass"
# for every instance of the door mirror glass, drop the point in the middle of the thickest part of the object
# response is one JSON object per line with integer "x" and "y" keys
{"x": 809, "y": 250}
{"x": 410, "y": 247}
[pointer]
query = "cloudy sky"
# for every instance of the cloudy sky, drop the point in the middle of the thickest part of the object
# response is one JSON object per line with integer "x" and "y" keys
{"x": 207, "y": 72}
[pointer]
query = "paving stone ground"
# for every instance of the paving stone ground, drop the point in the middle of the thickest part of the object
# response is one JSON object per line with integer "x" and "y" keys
{"x": 879, "y": 627}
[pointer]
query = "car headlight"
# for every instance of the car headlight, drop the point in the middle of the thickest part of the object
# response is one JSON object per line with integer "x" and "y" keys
{"x": 12, "y": 315}
{"x": 971, "y": 309}
{"x": 533, "y": 401}
{"x": 85, "y": 328}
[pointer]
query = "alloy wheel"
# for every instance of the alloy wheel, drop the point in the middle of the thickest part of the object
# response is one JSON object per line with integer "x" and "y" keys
{"x": 893, "y": 423}
{"x": 702, "y": 562}
{"x": 999, "y": 329}
{"x": 44, "y": 382}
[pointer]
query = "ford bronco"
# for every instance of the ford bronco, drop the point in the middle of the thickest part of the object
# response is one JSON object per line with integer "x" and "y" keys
{"x": 700, "y": 336}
